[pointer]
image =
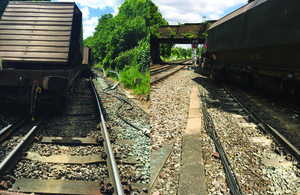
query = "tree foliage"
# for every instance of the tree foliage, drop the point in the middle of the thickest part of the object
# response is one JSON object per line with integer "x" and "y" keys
{"x": 181, "y": 52}
{"x": 156, "y": 20}
{"x": 126, "y": 31}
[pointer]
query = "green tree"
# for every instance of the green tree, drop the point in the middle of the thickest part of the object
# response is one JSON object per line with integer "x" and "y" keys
{"x": 156, "y": 20}
{"x": 88, "y": 41}
{"x": 189, "y": 52}
{"x": 115, "y": 35}
{"x": 102, "y": 37}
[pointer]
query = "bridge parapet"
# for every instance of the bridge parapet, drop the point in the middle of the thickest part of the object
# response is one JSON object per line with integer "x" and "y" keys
{"x": 182, "y": 33}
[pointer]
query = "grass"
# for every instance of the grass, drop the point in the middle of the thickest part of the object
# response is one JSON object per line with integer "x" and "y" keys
{"x": 127, "y": 76}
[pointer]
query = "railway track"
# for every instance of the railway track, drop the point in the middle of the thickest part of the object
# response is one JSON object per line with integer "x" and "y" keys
{"x": 157, "y": 68}
{"x": 278, "y": 123}
{"x": 256, "y": 153}
{"x": 178, "y": 62}
{"x": 73, "y": 151}
{"x": 159, "y": 72}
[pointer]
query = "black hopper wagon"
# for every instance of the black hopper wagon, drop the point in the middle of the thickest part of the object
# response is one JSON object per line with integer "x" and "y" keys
{"x": 258, "y": 44}
{"x": 41, "y": 47}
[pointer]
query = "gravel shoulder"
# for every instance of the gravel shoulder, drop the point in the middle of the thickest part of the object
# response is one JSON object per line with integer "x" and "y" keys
{"x": 169, "y": 112}
{"x": 140, "y": 173}
{"x": 251, "y": 161}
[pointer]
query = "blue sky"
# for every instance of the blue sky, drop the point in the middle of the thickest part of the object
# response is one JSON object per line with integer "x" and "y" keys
{"x": 174, "y": 11}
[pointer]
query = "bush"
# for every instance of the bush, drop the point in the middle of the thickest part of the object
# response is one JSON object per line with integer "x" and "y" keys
{"x": 144, "y": 87}
{"x": 125, "y": 58}
{"x": 128, "y": 74}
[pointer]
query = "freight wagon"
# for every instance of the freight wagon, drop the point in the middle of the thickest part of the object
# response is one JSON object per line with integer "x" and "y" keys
{"x": 41, "y": 47}
{"x": 258, "y": 44}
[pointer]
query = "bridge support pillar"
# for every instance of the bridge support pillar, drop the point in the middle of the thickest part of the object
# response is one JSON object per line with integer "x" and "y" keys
{"x": 155, "y": 52}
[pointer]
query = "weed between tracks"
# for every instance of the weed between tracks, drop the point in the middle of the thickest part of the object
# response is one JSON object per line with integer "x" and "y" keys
{"x": 128, "y": 74}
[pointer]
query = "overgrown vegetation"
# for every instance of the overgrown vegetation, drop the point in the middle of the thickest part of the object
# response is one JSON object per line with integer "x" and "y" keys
{"x": 122, "y": 42}
{"x": 172, "y": 33}
{"x": 208, "y": 25}
{"x": 188, "y": 35}
{"x": 130, "y": 73}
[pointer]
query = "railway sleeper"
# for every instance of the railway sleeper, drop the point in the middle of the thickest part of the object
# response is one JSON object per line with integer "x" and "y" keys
{"x": 67, "y": 159}
{"x": 248, "y": 125}
{"x": 264, "y": 141}
{"x": 224, "y": 95}
{"x": 232, "y": 104}
{"x": 227, "y": 99}
{"x": 222, "y": 92}
{"x": 240, "y": 116}
{"x": 238, "y": 110}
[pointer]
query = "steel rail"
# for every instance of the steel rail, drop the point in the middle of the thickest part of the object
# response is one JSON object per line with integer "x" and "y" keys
{"x": 178, "y": 61}
{"x": 158, "y": 70}
{"x": 231, "y": 178}
{"x": 14, "y": 155}
{"x": 278, "y": 138}
{"x": 165, "y": 76}
{"x": 168, "y": 65}
{"x": 110, "y": 153}
{"x": 6, "y": 131}
{"x": 290, "y": 106}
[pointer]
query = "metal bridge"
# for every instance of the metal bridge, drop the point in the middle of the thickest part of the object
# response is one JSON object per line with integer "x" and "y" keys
{"x": 183, "y": 33}
{"x": 178, "y": 34}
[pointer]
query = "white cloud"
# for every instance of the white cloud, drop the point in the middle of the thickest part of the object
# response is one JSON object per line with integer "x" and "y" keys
{"x": 98, "y": 3}
{"x": 191, "y": 11}
{"x": 89, "y": 27}
{"x": 116, "y": 11}
{"x": 214, "y": 16}
{"x": 85, "y": 12}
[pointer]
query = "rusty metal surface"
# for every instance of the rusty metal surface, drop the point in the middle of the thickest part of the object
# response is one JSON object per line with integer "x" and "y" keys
{"x": 179, "y": 33}
{"x": 262, "y": 57}
{"x": 5, "y": 132}
{"x": 113, "y": 173}
{"x": 197, "y": 29}
{"x": 258, "y": 24}
{"x": 238, "y": 12}
{"x": 46, "y": 186}
{"x": 10, "y": 77}
{"x": 86, "y": 56}
{"x": 15, "y": 154}
{"x": 38, "y": 32}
